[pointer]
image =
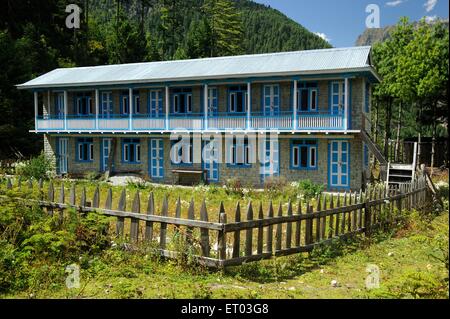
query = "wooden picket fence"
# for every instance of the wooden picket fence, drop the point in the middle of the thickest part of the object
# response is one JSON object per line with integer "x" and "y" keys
{"x": 255, "y": 236}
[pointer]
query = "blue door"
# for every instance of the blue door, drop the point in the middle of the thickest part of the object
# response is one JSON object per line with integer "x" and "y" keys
{"x": 270, "y": 164}
{"x": 210, "y": 160}
{"x": 156, "y": 158}
{"x": 156, "y": 102}
{"x": 212, "y": 102}
{"x": 339, "y": 154}
{"x": 60, "y": 105}
{"x": 63, "y": 157}
{"x": 106, "y": 148}
{"x": 271, "y": 100}
{"x": 337, "y": 97}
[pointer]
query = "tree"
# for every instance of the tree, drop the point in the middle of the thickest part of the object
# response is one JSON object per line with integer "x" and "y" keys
{"x": 226, "y": 27}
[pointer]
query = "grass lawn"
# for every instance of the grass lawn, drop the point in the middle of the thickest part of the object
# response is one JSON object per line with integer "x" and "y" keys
{"x": 408, "y": 259}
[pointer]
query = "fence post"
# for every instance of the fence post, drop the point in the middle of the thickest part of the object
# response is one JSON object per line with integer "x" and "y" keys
{"x": 331, "y": 219}
{"x": 134, "y": 226}
{"x": 270, "y": 230}
{"x": 72, "y": 195}
{"x": 191, "y": 216}
{"x": 343, "y": 214}
{"x": 318, "y": 227}
{"x": 337, "y": 224}
{"x": 289, "y": 227}
{"x": 237, "y": 233}
{"x": 279, "y": 231}
{"x": 298, "y": 225}
{"x": 8, "y": 183}
{"x": 367, "y": 212}
{"x": 163, "y": 226}
{"x": 51, "y": 197}
{"x": 324, "y": 218}
{"x": 308, "y": 225}
{"x": 96, "y": 198}
{"x": 204, "y": 232}
{"x": 259, "y": 248}
{"x": 249, "y": 232}
{"x": 61, "y": 201}
{"x": 122, "y": 206}
{"x": 40, "y": 185}
{"x": 149, "y": 224}
{"x": 222, "y": 240}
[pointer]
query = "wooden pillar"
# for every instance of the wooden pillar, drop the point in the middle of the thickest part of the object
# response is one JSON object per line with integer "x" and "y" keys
{"x": 205, "y": 104}
{"x": 96, "y": 108}
{"x": 346, "y": 104}
{"x": 66, "y": 109}
{"x": 295, "y": 106}
{"x": 36, "y": 109}
{"x": 249, "y": 103}
{"x": 167, "y": 107}
{"x": 130, "y": 108}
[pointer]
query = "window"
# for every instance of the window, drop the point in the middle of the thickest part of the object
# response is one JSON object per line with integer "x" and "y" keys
{"x": 83, "y": 104}
{"x": 307, "y": 97}
{"x": 182, "y": 101}
{"x": 271, "y": 99}
{"x": 367, "y": 98}
{"x": 337, "y": 97}
{"x": 238, "y": 99}
{"x": 106, "y": 104}
{"x": 182, "y": 152}
{"x": 304, "y": 154}
{"x": 131, "y": 150}
{"x": 240, "y": 152}
{"x": 85, "y": 149}
{"x": 59, "y": 105}
{"x": 125, "y": 104}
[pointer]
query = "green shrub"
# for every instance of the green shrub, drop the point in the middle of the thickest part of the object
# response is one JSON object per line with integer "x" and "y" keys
{"x": 37, "y": 167}
{"x": 309, "y": 189}
{"x": 234, "y": 186}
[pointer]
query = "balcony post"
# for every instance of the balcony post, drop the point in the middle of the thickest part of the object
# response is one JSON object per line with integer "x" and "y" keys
{"x": 249, "y": 103}
{"x": 96, "y": 108}
{"x": 294, "y": 97}
{"x": 130, "y": 108}
{"x": 205, "y": 104}
{"x": 346, "y": 104}
{"x": 48, "y": 103}
{"x": 65, "y": 109}
{"x": 36, "y": 103}
{"x": 167, "y": 107}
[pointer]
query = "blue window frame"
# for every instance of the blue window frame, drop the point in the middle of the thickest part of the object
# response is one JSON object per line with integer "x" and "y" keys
{"x": 271, "y": 99}
{"x": 212, "y": 101}
{"x": 106, "y": 104}
{"x": 367, "y": 98}
{"x": 182, "y": 100}
{"x": 125, "y": 104}
{"x": 237, "y": 99}
{"x": 304, "y": 154}
{"x": 366, "y": 156}
{"x": 131, "y": 150}
{"x": 239, "y": 152}
{"x": 83, "y": 104}
{"x": 59, "y": 104}
{"x": 181, "y": 153}
{"x": 85, "y": 149}
{"x": 307, "y": 96}
{"x": 155, "y": 103}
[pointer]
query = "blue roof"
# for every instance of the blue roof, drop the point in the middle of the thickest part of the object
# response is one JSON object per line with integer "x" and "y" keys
{"x": 324, "y": 61}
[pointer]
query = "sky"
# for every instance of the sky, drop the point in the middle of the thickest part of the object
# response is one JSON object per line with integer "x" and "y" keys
{"x": 340, "y": 22}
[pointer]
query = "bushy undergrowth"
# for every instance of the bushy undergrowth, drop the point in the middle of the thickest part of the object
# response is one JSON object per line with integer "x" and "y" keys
{"x": 35, "y": 247}
{"x": 37, "y": 167}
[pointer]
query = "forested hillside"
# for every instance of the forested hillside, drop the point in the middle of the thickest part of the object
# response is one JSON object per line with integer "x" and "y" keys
{"x": 34, "y": 40}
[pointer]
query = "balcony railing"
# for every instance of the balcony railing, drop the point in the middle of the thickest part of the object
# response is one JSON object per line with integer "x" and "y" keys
{"x": 306, "y": 121}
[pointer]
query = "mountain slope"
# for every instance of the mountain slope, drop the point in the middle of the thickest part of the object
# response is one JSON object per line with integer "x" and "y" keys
{"x": 265, "y": 29}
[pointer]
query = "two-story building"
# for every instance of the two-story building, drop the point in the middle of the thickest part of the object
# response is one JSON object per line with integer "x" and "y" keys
{"x": 121, "y": 117}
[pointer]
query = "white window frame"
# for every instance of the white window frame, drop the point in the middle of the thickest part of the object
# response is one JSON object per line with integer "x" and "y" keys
{"x": 311, "y": 99}
{"x": 125, "y": 105}
{"x": 137, "y": 153}
{"x": 137, "y": 104}
{"x": 296, "y": 150}
{"x": 91, "y": 151}
{"x": 311, "y": 164}
{"x": 189, "y": 103}
{"x": 125, "y": 154}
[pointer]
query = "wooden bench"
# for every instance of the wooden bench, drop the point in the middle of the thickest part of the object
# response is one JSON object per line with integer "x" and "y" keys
{"x": 188, "y": 176}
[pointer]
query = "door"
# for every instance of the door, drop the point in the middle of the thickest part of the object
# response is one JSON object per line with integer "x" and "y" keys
{"x": 106, "y": 149}
{"x": 107, "y": 105}
{"x": 337, "y": 97}
{"x": 156, "y": 103}
{"x": 60, "y": 105}
{"x": 270, "y": 164}
{"x": 271, "y": 100}
{"x": 62, "y": 155}
{"x": 339, "y": 164}
{"x": 156, "y": 158}
{"x": 211, "y": 161}
{"x": 212, "y": 102}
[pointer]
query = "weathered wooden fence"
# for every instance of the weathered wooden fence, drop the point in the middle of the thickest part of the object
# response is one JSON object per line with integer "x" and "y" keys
{"x": 246, "y": 236}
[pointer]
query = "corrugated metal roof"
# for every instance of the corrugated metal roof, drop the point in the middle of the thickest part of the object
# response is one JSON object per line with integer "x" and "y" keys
{"x": 298, "y": 62}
